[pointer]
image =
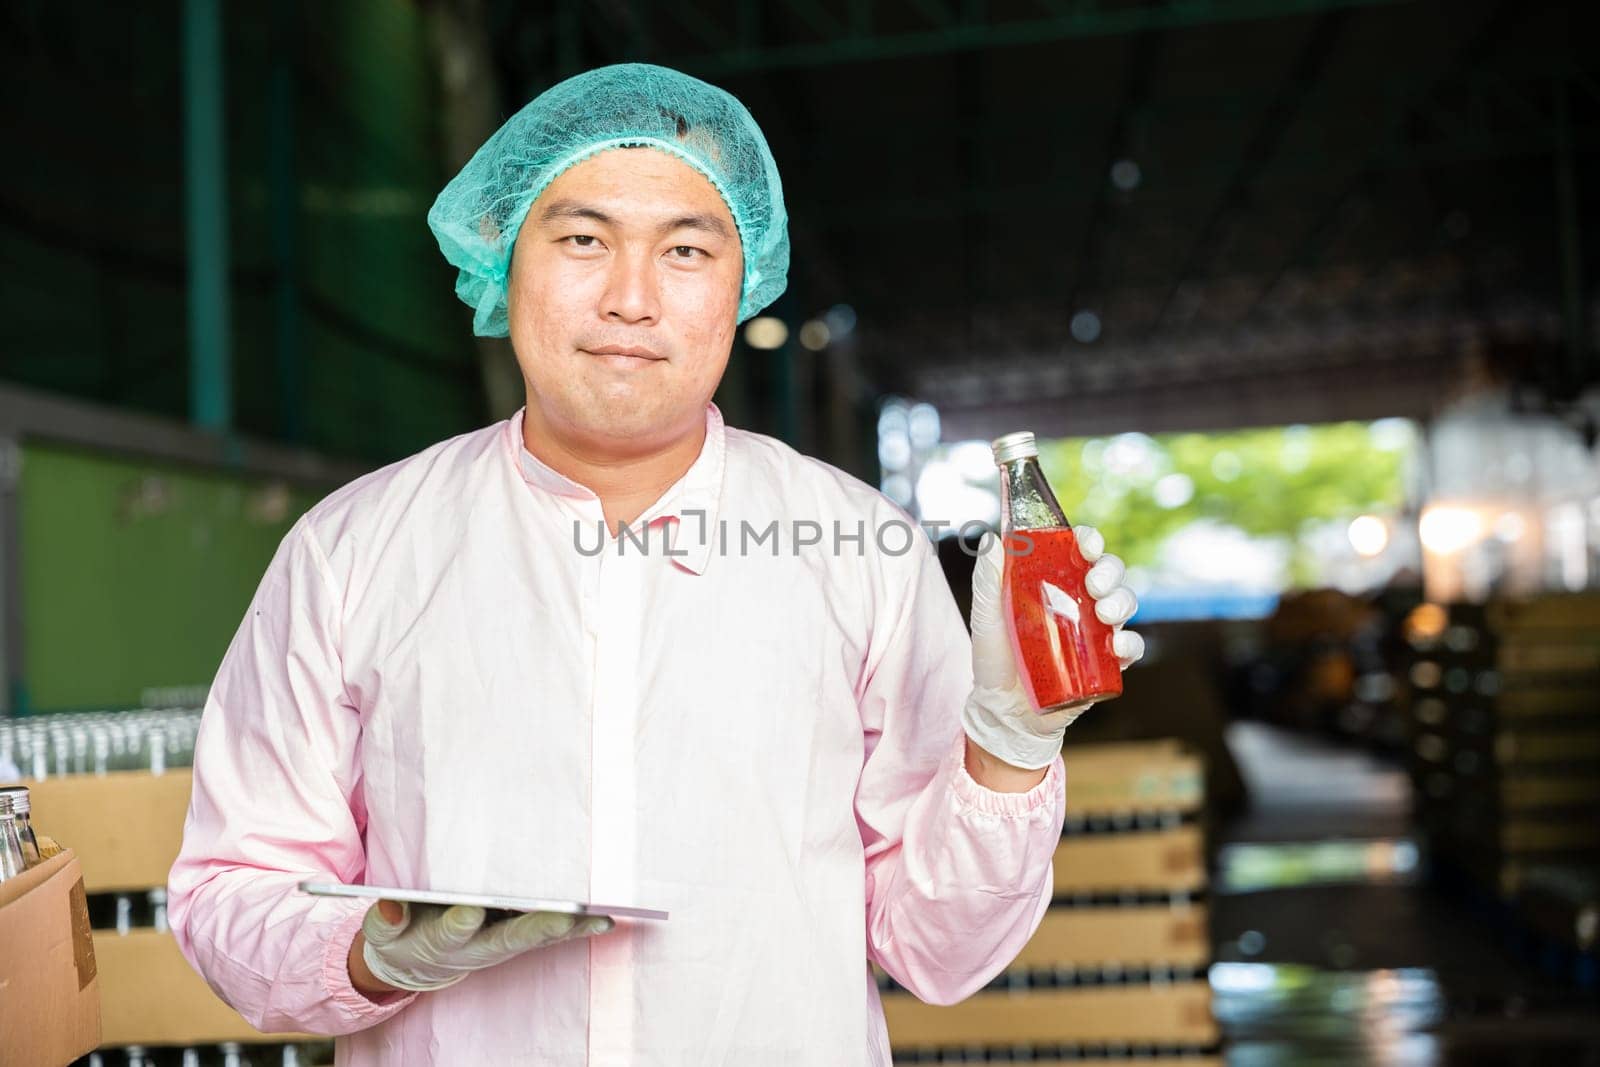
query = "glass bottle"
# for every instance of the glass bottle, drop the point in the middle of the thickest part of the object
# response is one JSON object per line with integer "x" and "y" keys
{"x": 1063, "y": 650}
{"x": 119, "y": 745}
{"x": 102, "y": 751}
{"x": 11, "y": 860}
{"x": 156, "y": 740}
{"x": 41, "y": 756}
{"x": 21, "y": 805}
{"x": 61, "y": 748}
{"x": 80, "y": 750}
{"x": 9, "y": 767}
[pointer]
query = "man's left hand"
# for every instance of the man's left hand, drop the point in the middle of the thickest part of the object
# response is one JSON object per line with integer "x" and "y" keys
{"x": 999, "y": 718}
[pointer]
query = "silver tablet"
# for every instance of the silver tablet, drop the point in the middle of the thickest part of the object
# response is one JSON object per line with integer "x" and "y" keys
{"x": 480, "y": 900}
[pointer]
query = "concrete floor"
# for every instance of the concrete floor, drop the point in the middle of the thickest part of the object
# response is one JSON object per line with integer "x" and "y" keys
{"x": 1332, "y": 947}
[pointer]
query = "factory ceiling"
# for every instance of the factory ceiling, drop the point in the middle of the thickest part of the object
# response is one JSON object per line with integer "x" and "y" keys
{"x": 1096, "y": 214}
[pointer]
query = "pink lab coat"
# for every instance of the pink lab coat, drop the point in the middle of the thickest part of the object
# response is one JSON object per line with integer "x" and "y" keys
{"x": 447, "y": 681}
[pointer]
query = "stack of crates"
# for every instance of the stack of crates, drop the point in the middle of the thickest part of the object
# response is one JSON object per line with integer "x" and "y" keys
{"x": 1505, "y": 750}
{"x": 126, "y": 827}
{"x": 1117, "y": 970}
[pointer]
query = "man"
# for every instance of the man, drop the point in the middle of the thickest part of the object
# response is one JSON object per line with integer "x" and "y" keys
{"x": 463, "y": 672}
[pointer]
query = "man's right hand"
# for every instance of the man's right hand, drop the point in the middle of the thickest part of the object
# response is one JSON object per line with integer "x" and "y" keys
{"x": 422, "y": 947}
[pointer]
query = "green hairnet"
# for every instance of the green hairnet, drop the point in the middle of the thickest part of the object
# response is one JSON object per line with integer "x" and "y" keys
{"x": 478, "y": 215}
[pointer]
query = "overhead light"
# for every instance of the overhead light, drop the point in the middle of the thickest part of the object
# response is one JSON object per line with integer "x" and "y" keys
{"x": 766, "y": 332}
{"x": 922, "y": 421}
{"x": 1369, "y": 535}
{"x": 1085, "y": 327}
{"x": 840, "y": 319}
{"x": 894, "y": 452}
{"x": 1426, "y": 622}
{"x": 892, "y": 419}
{"x": 1510, "y": 527}
{"x": 1125, "y": 175}
{"x": 814, "y": 335}
{"x": 1445, "y": 529}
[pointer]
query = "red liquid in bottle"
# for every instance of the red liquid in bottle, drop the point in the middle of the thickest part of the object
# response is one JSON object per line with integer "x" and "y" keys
{"x": 1064, "y": 653}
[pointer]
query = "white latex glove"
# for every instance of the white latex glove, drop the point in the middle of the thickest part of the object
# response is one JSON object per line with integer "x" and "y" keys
{"x": 998, "y": 715}
{"x": 434, "y": 946}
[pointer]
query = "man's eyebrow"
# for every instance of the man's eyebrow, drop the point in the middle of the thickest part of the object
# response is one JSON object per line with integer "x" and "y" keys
{"x": 702, "y": 221}
{"x": 571, "y": 209}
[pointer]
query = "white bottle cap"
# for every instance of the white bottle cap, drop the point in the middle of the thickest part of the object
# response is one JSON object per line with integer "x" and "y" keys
{"x": 18, "y": 795}
{"x": 1012, "y": 446}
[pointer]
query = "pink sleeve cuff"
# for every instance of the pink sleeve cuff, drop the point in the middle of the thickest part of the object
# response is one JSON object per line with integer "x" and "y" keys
{"x": 362, "y": 1010}
{"x": 1049, "y": 795}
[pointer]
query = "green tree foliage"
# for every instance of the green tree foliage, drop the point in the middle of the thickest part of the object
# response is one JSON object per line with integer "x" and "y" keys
{"x": 1269, "y": 483}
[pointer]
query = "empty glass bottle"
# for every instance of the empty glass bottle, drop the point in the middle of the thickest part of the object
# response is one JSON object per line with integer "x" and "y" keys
{"x": 21, "y": 805}
{"x": 41, "y": 757}
{"x": 11, "y": 859}
{"x": 158, "y": 910}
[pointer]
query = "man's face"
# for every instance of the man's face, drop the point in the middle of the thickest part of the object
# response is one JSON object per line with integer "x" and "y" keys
{"x": 630, "y": 251}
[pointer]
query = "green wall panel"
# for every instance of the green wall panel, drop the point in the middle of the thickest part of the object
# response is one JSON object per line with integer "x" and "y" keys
{"x": 135, "y": 574}
{"x": 382, "y": 361}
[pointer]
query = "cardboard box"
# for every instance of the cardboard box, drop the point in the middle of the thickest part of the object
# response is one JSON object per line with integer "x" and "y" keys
{"x": 1578, "y": 787}
{"x": 151, "y": 996}
{"x": 1526, "y": 748}
{"x": 49, "y": 990}
{"x": 1170, "y": 861}
{"x": 125, "y": 826}
{"x": 1131, "y": 1061}
{"x": 1544, "y": 653}
{"x": 1549, "y": 611}
{"x": 1135, "y": 777}
{"x": 1522, "y": 701}
{"x": 1145, "y": 935}
{"x": 1178, "y": 1014}
{"x": 1140, "y": 936}
{"x": 1556, "y": 835}
{"x": 1108, "y": 752}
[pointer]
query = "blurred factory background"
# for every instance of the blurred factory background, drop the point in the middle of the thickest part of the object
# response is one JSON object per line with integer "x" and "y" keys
{"x": 1301, "y": 294}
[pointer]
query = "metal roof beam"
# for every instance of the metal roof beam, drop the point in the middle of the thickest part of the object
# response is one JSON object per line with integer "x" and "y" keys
{"x": 1280, "y": 116}
{"x": 869, "y": 212}
{"x": 817, "y": 18}
{"x": 1328, "y": 224}
{"x": 972, "y": 28}
{"x": 705, "y": 29}
{"x": 1142, "y": 58}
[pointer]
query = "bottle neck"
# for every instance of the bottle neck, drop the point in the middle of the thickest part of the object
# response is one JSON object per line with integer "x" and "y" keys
{"x": 1026, "y": 501}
